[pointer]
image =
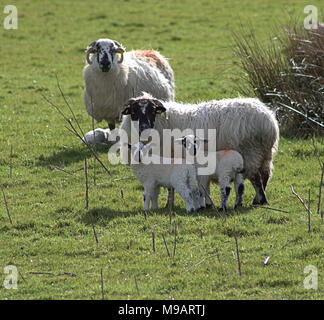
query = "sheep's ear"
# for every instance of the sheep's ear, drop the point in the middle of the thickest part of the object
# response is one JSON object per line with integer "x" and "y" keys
{"x": 179, "y": 140}
{"x": 159, "y": 108}
{"x": 129, "y": 146}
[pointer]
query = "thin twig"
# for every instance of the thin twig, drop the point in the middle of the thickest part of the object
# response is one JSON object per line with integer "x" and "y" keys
{"x": 269, "y": 208}
{"x": 63, "y": 170}
{"x": 102, "y": 287}
{"x": 237, "y": 253}
{"x": 309, "y": 217}
{"x": 175, "y": 240}
{"x": 10, "y": 164}
{"x": 166, "y": 247}
{"x": 75, "y": 132}
{"x": 93, "y": 227}
{"x": 94, "y": 138}
{"x": 6, "y": 205}
{"x": 300, "y": 199}
{"x": 86, "y": 184}
{"x": 210, "y": 199}
{"x": 200, "y": 262}
{"x": 320, "y": 191}
{"x": 153, "y": 241}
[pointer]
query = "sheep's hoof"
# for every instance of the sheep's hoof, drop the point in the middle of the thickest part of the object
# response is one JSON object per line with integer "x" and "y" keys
{"x": 201, "y": 208}
{"x": 260, "y": 202}
{"x": 238, "y": 206}
{"x": 208, "y": 206}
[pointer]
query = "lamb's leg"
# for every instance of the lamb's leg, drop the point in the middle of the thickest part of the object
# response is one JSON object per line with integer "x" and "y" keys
{"x": 239, "y": 189}
{"x": 148, "y": 195}
{"x": 260, "y": 197}
{"x": 155, "y": 197}
{"x": 225, "y": 190}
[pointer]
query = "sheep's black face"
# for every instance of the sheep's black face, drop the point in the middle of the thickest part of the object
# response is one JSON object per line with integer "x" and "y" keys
{"x": 105, "y": 51}
{"x": 105, "y": 55}
{"x": 144, "y": 111}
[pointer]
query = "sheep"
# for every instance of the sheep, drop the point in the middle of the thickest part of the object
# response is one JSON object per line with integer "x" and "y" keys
{"x": 243, "y": 124}
{"x": 229, "y": 167}
{"x": 112, "y": 76}
{"x": 152, "y": 175}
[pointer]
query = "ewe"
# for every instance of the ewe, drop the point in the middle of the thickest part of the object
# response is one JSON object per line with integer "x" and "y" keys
{"x": 112, "y": 76}
{"x": 242, "y": 124}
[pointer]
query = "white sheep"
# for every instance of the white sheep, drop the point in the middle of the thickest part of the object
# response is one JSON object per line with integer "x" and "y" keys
{"x": 229, "y": 167}
{"x": 153, "y": 173}
{"x": 112, "y": 76}
{"x": 242, "y": 124}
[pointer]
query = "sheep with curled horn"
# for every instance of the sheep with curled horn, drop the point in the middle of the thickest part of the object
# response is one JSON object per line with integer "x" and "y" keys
{"x": 112, "y": 76}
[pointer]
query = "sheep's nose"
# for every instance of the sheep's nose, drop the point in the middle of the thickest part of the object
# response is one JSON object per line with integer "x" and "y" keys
{"x": 105, "y": 66}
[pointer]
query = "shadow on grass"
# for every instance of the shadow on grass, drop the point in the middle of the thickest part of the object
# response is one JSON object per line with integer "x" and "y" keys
{"x": 102, "y": 216}
{"x": 67, "y": 156}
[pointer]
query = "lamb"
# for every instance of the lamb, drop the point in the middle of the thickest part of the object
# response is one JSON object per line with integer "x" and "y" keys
{"x": 229, "y": 167}
{"x": 112, "y": 76}
{"x": 242, "y": 124}
{"x": 153, "y": 174}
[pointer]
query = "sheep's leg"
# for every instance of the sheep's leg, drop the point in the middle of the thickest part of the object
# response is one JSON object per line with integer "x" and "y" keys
{"x": 225, "y": 190}
{"x": 207, "y": 197}
{"x": 260, "y": 197}
{"x": 148, "y": 195}
{"x": 155, "y": 197}
{"x": 239, "y": 189}
{"x": 170, "y": 201}
{"x": 111, "y": 125}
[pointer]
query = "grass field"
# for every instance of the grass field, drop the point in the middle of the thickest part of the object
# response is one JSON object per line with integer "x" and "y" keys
{"x": 51, "y": 239}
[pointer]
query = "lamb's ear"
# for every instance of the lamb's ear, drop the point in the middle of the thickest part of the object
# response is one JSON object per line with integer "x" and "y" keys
{"x": 129, "y": 146}
{"x": 159, "y": 108}
{"x": 179, "y": 140}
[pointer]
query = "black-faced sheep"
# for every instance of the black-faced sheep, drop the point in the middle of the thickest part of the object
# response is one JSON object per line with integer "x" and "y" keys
{"x": 112, "y": 76}
{"x": 242, "y": 124}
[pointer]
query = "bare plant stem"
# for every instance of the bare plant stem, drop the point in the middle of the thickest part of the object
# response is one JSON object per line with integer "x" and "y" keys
{"x": 237, "y": 253}
{"x": 309, "y": 216}
{"x": 153, "y": 241}
{"x": 300, "y": 199}
{"x": 136, "y": 285}
{"x": 10, "y": 165}
{"x": 166, "y": 246}
{"x": 93, "y": 228}
{"x": 175, "y": 240}
{"x": 86, "y": 184}
{"x": 320, "y": 191}
{"x": 102, "y": 287}
{"x": 6, "y": 205}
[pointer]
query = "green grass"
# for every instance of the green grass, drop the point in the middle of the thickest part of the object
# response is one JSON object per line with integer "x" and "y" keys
{"x": 52, "y": 230}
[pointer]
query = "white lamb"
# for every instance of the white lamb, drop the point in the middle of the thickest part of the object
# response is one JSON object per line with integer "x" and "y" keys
{"x": 229, "y": 168}
{"x": 112, "y": 76}
{"x": 242, "y": 124}
{"x": 155, "y": 173}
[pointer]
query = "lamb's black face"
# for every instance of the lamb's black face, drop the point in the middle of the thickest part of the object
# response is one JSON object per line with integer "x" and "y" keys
{"x": 144, "y": 111}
